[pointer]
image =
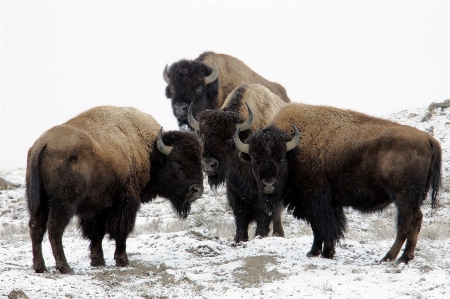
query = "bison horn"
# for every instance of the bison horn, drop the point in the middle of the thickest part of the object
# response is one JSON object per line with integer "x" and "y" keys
{"x": 248, "y": 122}
{"x": 192, "y": 121}
{"x": 166, "y": 75}
{"x": 161, "y": 146}
{"x": 239, "y": 144}
{"x": 214, "y": 74}
{"x": 290, "y": 145}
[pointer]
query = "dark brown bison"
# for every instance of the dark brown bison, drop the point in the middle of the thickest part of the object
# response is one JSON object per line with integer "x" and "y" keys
{"x": 100, "y": 166}
{"x": 206, "y": 81}
{"x": 220, "y": 157}
{"x": 345, "y": 159}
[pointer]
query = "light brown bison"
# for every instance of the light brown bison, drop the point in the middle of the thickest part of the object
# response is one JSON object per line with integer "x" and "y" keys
{"x": 345, "y": 159}
{"x": 206, "y": 81}
{"x": 101, "y": 165}
{"x": 220, "y": 157}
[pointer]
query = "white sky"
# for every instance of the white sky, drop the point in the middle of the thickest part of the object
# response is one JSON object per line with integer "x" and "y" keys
{"x": 61, "y": 58}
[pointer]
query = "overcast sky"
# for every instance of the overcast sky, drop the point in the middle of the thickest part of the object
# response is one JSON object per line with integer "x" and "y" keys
{"x": 61, "y": 58}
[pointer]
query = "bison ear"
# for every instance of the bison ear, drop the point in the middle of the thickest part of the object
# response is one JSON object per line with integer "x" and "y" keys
{"x": 244, "y": 157}
{"x": 168, "y": 95}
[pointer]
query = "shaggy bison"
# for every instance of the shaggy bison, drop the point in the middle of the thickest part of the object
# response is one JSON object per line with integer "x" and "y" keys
{"x": 101, "y": 165}
{"x": 220, "y": 157}
{"x": 344, "y": 159}
{"x": 206, "y": 81}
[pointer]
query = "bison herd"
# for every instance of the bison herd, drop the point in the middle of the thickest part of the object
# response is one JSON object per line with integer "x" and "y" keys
{"x": 241, "y": 131}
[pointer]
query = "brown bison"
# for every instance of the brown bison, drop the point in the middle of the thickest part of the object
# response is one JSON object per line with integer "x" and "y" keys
{"x": 101, "y": 165}
{"x": 344, "y": 159}
{"x": 220, "y": 157}
{"x": 206, "y": 81}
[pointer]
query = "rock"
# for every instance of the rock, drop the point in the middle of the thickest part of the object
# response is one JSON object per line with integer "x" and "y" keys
{"x": 17, "y": 294}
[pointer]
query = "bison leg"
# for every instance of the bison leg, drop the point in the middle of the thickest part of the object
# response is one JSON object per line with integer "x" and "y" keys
{"x": 316, "y": 248}
{"x": 277, "y": 223}
{"x": 409, "y": 220}
{"x": 120, "y": 255}
{"x": 58, "y": 220}
{"x": 328, "y": 250}
{"x": 413, "y": 225}
{"x": 38, "y": 226}
{"x": 262, "y": 223}
{"x": 94, "y": 230}
{"x": 242, "y": 215}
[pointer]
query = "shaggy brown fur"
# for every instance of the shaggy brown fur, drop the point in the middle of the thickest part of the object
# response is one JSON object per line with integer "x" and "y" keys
{"x": 101, "y": 165}
{"x": 221, "y": 163}
{"x": 187, "y": 83}
{"x": 350, "y": 159}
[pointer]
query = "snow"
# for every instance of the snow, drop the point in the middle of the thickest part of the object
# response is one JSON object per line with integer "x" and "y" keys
{"x": 196, "y": 258}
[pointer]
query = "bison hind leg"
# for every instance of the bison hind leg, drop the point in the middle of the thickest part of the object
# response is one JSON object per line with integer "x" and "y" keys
{"x": 94, "y": 230}
{"x": 409, "y": 221}
{"x": 38, "y": 226}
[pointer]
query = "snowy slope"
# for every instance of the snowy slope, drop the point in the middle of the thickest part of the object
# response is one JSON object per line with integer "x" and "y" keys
{"x": 195, "y": 258}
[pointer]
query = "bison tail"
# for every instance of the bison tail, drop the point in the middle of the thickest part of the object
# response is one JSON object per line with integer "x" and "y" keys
{"x": 33, "y": 177}
{"x": 435, "y": 171}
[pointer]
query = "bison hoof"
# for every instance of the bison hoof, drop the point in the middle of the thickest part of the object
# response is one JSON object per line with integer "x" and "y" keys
{"x": 327, "y": 255}
{"x": 240, "y": 239}
{"x": 65, "y": 270}
{"x": 40, "y": 269}
{"x": 405, "y": 258}
{"x": 313, "y": 253}
{"x": 387, "y": 258}
{"x": 122, "y": 261}
{"x": 98, "y": 261}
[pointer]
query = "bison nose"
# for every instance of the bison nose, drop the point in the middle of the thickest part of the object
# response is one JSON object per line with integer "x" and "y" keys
{"x": 180, "y": 109}
{"x": 195, "y": 191}
{"x": 268, "y": 185}
{"x": 210, "y": 164}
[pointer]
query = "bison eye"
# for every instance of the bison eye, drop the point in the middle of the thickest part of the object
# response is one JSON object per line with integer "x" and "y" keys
{"x": 176, "y": 165}
{"x": 199, "y": 90}
{"x": 255, "y": 160}
{"x": 172, "y": 90}
{"x": 281, "y": 158}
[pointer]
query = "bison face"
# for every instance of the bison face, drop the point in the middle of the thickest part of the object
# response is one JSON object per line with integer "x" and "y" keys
{"x": 177, "y": 171}
{"x": 269, "y": 152}
{"x": 217, "y": 129}
{"x": 191, "y": 82}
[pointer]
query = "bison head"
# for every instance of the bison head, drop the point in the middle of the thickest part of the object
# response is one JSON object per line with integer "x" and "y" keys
{"x": 191, "y": 81}
{"x": 176, "y": 169}
{"x": 217, "y": 128}
{"x": 269, "y": 152}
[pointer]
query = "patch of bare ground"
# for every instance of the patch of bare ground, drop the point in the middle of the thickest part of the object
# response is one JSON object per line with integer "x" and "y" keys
{"x": 255, "y": 271}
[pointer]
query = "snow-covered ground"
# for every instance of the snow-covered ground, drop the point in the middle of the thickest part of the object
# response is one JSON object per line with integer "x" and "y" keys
{"x": 195, "y": 258}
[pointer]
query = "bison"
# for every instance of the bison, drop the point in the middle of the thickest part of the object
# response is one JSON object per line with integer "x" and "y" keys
{"x": 249, "y": 106}
{"x": 206, "y": 81}
{"x": 344, "y": 159}
{"x": 101, "y": 165}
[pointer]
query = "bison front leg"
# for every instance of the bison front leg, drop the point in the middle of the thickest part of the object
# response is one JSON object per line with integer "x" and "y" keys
{"x": 242, "y": 215}
{"x": 120, "y": 255}
{"x": 316, "y": 248}
{"x": 58, "y": 219}
{"x": 277, "y": 222}
{"x": 38, "y": 226}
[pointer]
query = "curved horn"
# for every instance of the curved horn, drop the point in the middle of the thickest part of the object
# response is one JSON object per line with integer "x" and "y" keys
{"x": 161, "y": 146}
{"x": 166, "y": 75}
{"x": 192, "y": 121}
{"x": 214, "y": 74}
{"x": 239, "y": 144}
{"x": 248, "y": 122}
{"x": 290, "y": 145}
